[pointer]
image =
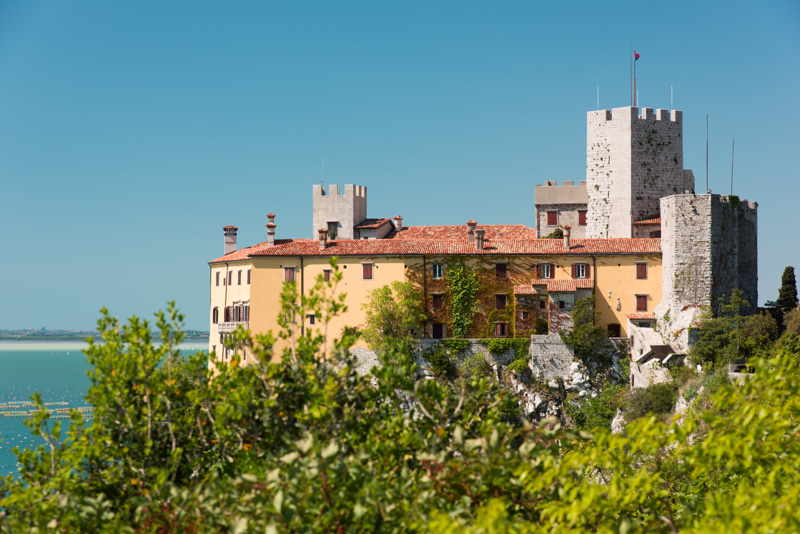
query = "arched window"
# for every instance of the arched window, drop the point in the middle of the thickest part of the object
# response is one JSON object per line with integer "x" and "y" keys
{"x": 215, "y": 315}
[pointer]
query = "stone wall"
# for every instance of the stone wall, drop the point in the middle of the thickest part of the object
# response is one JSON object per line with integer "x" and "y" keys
{"x": 550, "y": 356}
{"x": 709, "y": 248}
{"x": 567, "y": 215}
{"x": 632, "y": 161}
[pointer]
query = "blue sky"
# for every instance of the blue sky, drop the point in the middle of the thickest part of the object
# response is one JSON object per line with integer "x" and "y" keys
{"x": 132, "y": 132}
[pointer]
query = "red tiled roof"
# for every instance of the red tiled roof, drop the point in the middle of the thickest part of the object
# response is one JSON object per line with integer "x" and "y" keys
{"x": 565, "y": 286}
{"x": 493, "y": 231}
{"x": 372, "y": 223}
{"x": 529, "y": 290}
{"x": 640, "y": 316}
{"x": 652, "y": 220}
{"x": 442, "y": 247}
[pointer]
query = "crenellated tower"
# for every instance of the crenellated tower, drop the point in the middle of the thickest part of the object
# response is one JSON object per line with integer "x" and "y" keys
{"x": 633, "y": 160}
{"x": 339, "y": 213}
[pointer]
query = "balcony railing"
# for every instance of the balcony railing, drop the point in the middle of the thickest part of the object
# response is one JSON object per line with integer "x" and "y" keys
{"x": 231, "y": 326}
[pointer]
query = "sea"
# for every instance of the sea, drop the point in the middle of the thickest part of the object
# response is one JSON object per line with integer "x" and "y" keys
{"x": 56, "y": 370}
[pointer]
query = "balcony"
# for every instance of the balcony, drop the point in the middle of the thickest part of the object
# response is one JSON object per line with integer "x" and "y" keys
{"x": 231, "y": 326}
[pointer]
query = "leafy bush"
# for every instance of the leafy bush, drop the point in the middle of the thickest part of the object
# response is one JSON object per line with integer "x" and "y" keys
{"x": 598, "y": 412}
{"x": 656, "y": 399}
{"x": 519, "y": 366}
{"x": 498, "y": 346}
{"x": 475, "y": 366}
{"x": 442, "y": 364}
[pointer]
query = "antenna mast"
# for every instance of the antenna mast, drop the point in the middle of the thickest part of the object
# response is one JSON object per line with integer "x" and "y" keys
{"x": 707, "y": 189}
{"x": 733, "y": 146}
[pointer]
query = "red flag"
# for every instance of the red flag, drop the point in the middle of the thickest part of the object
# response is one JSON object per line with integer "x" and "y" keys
{"x": 635, "y": 56}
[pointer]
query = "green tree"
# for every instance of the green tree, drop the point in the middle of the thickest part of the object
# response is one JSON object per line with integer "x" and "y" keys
{"x": 787, "y": 295}
{"x": 394, "y": 313}
{"x": 791, "y": 321}
{"x": 585, "y": 336}
{"x": 723, "y": 338}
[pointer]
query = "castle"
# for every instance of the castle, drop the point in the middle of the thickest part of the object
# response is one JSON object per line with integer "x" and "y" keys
{"x": 635, "y": 235}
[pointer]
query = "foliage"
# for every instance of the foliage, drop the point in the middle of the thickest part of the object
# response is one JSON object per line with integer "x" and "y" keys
{"x": 658, "y": 399}
{"x": 585, "y": 336}
{"x": 599, "y": 411}
{"x": 519, "y": 366}
{"x": 462, "y": 290}
{"x": 791, "y": 321}
{"x": 456, "y": 346}
{"x": 499, "y": 345}
{"x": 763, "y": 327}
{"x": 475, "y": 367}
{"x": 304, "y": 443}
{"x": 724, "y": 338}
{"x": 787, "y": 295}
{"x": 394, "y": 313}
{"x": 558, "y": 233}
{"x": 441, "y": 363}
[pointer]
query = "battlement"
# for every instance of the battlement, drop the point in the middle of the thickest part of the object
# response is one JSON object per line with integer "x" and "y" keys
{"x": 349, "y": 190}
{"x": 631, "y": 114}
{"x": 554, "y": 183}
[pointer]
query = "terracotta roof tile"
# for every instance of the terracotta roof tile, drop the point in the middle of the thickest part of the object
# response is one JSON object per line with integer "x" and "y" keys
{"x": 372, "y": 223}
{"x": 651, "y": 220}
{"x": 433, "y": 246}
{"x": 529, "y": 290}
{"x": 565, "y": 286}
{"x": 492, "y": 231}
{"x": 640, "y": 316}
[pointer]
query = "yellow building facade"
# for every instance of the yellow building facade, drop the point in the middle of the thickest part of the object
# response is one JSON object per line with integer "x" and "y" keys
{"x": 526, "y": 285}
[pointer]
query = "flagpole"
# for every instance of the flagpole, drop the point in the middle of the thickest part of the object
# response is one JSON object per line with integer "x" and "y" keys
{"x": 630, "y": 59}
{"x": 634, "y": 80}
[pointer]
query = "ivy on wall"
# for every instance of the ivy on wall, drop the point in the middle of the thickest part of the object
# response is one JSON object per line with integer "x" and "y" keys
{"x": 462, "y": 290}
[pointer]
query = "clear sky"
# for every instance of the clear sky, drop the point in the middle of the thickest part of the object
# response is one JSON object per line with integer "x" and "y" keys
{"x": 132, "y": 132}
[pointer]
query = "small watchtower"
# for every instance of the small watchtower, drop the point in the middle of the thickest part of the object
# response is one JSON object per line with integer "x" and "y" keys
{"x": 339, "y": 213}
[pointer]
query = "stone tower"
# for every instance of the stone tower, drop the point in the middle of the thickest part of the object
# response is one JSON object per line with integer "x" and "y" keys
{"x": 339, "y": 213}
{"x": 632, "y": 161}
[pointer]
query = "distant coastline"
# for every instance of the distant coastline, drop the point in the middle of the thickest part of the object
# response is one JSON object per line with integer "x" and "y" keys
{"x": 42, "y": 334}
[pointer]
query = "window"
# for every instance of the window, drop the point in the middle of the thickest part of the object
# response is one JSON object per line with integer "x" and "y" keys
{"x": 312, "y": 319}
{"x": 248, "y": 277}
{"x": 228, "y": 314}
{"x": 239, "y": 276}
{"x": 366, "y": 271}
{"x": 580, "y": 270}
{"x": 438, "y": 301}
{"x": 501, "y": 270}
{"x": 552, "y": 218}
{"x": 614, "y": 330}
{"x": 437, "y": 332}
{"x": 641, "y": 271}
{"x": 562, "y": 304}
{"x": 215, "y": 315}
{"x": 332, "y": 226}
{"x": 641, "y": 303}
{"x": 288, "y": 274}
{"x": 542, "y": 304}
{"x": 230, "y": 278}
{"x": 582, "y": 217}
{"x": 438, "y": 270}
{"x": 544, "y": 270}
{"x": 217, "y": 277}
{"x": 499, "y": 302}
{"x": 500, "y": 329}
{"x": 326, "y": 275}
{"x": 523, "y": 315}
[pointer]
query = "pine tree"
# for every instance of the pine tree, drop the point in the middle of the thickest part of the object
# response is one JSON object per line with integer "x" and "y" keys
{"x": 787, "y": 297}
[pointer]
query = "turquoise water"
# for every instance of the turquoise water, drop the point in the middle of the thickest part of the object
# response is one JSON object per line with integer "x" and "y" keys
{"x": 56, "y": 370}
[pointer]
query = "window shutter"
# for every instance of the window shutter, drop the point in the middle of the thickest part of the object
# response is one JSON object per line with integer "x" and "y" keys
{"x": 248, "y": 277}
{"x": 582, "y": 217}
{"x": 574, "y": 271}
{"x": 239, "y": 277}
{"x": 500, "y": 269}
{"x": 367, "y": 271}
{"x": 326, "y": 275}
{"x": 641, "y": 270}
{"x": 217, "y": 277}
{"x": 588, "y": 271}
{"x": 539, "y": 270}
{"x": 497, "y": 329}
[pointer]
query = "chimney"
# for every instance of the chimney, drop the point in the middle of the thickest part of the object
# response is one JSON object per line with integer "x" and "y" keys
{"x": 323, "y": 238}
{"x": 398, "y": 223}
{"x": 567, "y": 229}
{"x": 230, "y": 239}
{"x": 479, "y": 239}
{"x": 471, "y": 230}
{"x": 271, "y": 230}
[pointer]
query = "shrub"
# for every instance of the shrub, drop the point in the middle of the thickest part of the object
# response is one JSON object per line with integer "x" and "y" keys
{"x": 597, "y": 412}
{"x": 658, "y": 399}
{"x": 475, "y": 366}
{"x": 441, "y": 364}
{"x": 519, "y": 366}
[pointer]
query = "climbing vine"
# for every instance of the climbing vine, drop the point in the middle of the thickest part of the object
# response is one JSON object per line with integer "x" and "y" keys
{"x": 462, "y": 290}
